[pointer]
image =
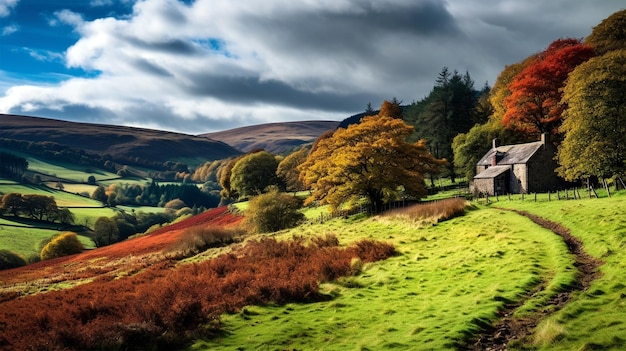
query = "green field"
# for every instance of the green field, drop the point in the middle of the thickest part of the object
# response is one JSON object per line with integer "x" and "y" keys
{"x": 447, "y": 283}
{"x": 596, "y": 318}
{"x": 26, "y": 240}
{"x": 64, "y": 170}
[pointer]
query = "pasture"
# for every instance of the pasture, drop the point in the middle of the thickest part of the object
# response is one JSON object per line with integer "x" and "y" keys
{"x": 448, "y": 283}
{"x": 596, "y": 318}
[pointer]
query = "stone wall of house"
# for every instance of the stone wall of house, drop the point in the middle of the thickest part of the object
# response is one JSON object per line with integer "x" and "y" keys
{"x": 518, "y": 182}
{"x": 541, "y": 175}
{"x": 483, "y": 186}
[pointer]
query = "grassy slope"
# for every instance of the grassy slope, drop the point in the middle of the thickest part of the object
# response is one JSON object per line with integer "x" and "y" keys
{"x": 448, "y": 280}
{"x": 596, "y": 319}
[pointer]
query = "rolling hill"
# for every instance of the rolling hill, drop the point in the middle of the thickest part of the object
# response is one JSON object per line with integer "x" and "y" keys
{"x": 117, "y": 141}
{"x": 277, "y": 138}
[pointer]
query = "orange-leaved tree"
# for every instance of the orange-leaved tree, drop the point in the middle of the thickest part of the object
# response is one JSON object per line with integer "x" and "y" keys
{"x": 534, "y": 105}
{"x": 370, "y": 160}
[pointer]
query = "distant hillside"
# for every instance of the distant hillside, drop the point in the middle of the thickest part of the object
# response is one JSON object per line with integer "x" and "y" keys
{"x": 117, "y": 141}
{"x": 277, "y": 138}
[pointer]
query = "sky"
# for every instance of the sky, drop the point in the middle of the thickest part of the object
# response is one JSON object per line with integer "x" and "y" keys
{"x": 209, "y": 65}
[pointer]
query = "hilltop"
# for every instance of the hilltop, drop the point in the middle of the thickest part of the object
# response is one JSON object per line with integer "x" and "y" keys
{"x": 117, "y": 141}
{"x": 277, "y": 138}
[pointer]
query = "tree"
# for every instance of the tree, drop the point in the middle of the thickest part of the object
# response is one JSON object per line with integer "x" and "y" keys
{"x": 448, "y": 110}
{"x": 471, "y": 146}
{"x": 391, "y": 109}
{"x": 610, "y": 34}
{"x": 106, "y": 232}
{"x": 274, "y": 211}
{"x": 534, "y": 105}
{"x": 370, "y": 160}
{"x": 288, "y": 169}
{"x": 100, "y": 194}
{"x": 91, "y": 180}
{"x": 174, "y": 205}
{"x": 253, "y": 173}
{"x": 64, "y": 244}
{"x": 595, "y": 119}
{"x": 12, "y": 166}
{"x": 500, "y": 90}
{"x": 12, "y": 203}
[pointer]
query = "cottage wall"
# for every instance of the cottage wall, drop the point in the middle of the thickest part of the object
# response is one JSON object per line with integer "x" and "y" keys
{"x": 541, "y": 174}
{"x": 484, "y": 186}
{"x": 519, "y": 180}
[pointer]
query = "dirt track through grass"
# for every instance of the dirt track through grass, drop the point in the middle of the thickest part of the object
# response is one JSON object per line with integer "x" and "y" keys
{"x": 511, "y": 328}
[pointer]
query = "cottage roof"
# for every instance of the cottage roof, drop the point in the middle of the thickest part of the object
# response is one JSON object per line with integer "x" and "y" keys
{"x": 492, "y": 172}
{"x": 511, "y": 154}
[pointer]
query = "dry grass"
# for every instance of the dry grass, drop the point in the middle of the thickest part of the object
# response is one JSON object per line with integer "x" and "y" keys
{"x": 432, "y": 212}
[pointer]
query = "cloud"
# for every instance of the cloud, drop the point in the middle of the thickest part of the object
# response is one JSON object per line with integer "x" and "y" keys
{"x": 214, "y": 64}
{"x": 8, "y": 30}
{"x": 6, "y": 6}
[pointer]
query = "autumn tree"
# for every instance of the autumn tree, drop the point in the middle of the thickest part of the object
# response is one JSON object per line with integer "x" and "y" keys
{"x": 610, "y": 34}
{"x": 370, "y": 160}
{"x": 253, "y": 173}
{"x": 500, "y": 90}
{"x": 595, "y": 119}
{"x": 391, "y": 108}
{"x": 288, "y": 169}
{"x": 64, "y": 244}
{"x": 534, "y": 105}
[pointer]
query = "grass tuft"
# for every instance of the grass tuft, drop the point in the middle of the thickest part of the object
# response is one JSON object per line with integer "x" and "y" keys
{"x": 433, "y": 212}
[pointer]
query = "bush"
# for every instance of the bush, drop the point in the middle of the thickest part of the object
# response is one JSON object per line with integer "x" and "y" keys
{"x": 64, "y": 244}
{"x": 9, "y": 259}
{"x": 274, "y": 211}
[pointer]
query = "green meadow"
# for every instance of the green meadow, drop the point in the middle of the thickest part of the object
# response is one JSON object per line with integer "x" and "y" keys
{"x": 64, "y": 170}
{"x": 448, "y": 282}
{"x": 25, "y": 240}
{"x": 595, "y": 319}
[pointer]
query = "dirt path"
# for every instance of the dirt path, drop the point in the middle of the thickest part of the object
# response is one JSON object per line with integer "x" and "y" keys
{"x": 510, "y": 328}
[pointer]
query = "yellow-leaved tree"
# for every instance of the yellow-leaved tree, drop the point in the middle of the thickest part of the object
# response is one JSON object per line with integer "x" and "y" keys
{"x": 370, "y": 160}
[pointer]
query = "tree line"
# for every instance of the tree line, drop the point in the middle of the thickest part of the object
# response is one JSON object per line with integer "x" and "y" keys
{"x": 39, "y": 207}
{"x": 12, "y": 166}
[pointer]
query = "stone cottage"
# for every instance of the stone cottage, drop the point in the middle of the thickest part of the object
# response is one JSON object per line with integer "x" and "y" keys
{"x": 515, "y": 169}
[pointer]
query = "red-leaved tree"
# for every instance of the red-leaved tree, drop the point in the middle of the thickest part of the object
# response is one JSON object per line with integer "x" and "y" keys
{"x": 534, "y": 105}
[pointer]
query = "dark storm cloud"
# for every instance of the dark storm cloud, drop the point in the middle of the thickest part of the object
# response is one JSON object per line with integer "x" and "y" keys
{"x": 169, "y": 46}
{"x": 251, "y": 90}
{"x": 358, "y": 29}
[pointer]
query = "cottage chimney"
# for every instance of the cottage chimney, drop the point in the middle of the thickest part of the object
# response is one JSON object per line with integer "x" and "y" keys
{"x": 545, "y": 138}
{"x": 494, "y": 143}
{"x": 494, "y": 159}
